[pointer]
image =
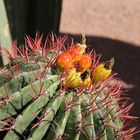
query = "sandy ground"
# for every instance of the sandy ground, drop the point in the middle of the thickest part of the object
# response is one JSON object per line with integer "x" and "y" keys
{"x": 113, "y": 29}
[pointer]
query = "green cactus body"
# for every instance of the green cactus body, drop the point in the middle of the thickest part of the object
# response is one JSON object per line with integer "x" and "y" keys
{"x": 35, "y": 104}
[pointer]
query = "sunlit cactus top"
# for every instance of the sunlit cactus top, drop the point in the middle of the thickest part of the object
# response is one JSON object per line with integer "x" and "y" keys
{"x": 56, "y": 91}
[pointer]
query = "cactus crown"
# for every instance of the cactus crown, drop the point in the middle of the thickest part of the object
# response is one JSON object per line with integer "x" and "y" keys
{"x": 49, "y": 92}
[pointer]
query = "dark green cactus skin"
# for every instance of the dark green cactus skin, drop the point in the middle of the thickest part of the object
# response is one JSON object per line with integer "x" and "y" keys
{"x": 5, "y": 36}
{"x": 34, "y": 105}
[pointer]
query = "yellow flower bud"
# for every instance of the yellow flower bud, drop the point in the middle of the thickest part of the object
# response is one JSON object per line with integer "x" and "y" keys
{"x": 102, "y": 71}
{"x": 82, "y": 47}
{"x": 72, "y": 79}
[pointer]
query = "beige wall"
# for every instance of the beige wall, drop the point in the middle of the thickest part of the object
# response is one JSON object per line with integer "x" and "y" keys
{"x": 116, "y": 19}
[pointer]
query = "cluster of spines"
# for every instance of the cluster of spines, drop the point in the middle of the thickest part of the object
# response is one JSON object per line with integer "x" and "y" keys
{"x": 92, "y": 99}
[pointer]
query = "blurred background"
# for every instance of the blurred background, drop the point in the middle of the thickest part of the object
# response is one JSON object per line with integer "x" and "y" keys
{"x": 112, "y": 28}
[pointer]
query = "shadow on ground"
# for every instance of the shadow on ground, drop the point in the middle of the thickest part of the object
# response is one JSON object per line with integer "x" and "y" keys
{"x": 127, "y": 63}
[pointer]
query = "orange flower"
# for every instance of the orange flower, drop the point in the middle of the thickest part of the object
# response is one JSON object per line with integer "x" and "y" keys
{"x": 85, "y": 62}
{"x": 75, "y": 53}
{"x": 72, "y": 56}
{"x": 68, "y": 58}
{"x": 64, "y": 60}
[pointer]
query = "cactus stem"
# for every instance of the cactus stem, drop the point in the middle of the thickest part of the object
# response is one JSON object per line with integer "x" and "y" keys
{"x": 40, "y": 119}
{"x": 7, "y": 123}
{"x": 4, "y": 123}
{"x": 10, "y": 68}
{"x": 36, "y": 100}
{"x": 68, "y": 104}
{"x": 40, "y": 92}
{"x": 7, "y": 96}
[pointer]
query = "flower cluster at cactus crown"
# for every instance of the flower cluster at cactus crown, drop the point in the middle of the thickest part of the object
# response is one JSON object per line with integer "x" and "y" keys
{"x": 79, "y": 71}
{"x": 79, "y": 66}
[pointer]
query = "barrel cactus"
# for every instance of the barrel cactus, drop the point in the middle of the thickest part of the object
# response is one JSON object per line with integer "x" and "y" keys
{"x": 52, "y": 92}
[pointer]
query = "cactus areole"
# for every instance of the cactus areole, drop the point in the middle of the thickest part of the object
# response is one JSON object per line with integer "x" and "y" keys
{"x": 52, "y": 92}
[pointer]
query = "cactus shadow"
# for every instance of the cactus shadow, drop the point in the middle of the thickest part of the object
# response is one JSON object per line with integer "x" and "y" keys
{"x": 127, "y": 63}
